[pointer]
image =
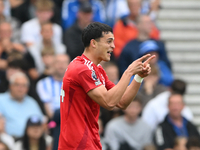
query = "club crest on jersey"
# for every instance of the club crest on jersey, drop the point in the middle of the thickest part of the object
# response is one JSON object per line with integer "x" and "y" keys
{"x": 94, "y": 76}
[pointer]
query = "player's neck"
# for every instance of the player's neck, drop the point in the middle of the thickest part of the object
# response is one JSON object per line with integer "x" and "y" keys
{"x": 91, "y": 56}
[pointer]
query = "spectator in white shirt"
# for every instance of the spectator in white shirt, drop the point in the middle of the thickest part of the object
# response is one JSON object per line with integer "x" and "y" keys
{"x": 30, "y": 32}
{"x": 46, "y": 43}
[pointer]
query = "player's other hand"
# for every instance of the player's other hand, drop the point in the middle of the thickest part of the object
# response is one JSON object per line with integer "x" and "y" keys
{"x": 146, "y": 70}
{"x": 138, "y": 66}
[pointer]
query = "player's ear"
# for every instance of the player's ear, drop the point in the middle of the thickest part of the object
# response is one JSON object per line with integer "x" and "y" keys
{"x": 93, "y": 43}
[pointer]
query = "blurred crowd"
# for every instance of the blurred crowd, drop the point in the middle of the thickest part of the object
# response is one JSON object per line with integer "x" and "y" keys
{"x": 39, "y": 38}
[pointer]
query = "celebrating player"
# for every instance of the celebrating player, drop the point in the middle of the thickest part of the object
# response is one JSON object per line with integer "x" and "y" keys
{"x": 86, "y": 87}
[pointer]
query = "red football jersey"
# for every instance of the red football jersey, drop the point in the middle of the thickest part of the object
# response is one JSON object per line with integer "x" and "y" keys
{"x": 79, "y": 113}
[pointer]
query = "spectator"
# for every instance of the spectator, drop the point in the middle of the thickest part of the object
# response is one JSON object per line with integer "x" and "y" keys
{"x": 156, "y": 110}
{"x": 174, "y": 125}
{"x": 6, "y": 45}
{"x": 30, "y": 31}
{"x": 150, "y": 47}
{"x": 49, "y": 88}
{"x": 132, "y": 48}
{"x": 193, "y": 143}
{"x": 34, "y": 137}
{"x": 129, "y": 131}
{"x": 13, "y": 22}
{"x": 48, "y": 56}
{"x": 180, "y": 143}
{"x": 3, "y": 146}
{"x": 47, "y": 36}
{"x": 56, "y": 17}
{"x": 126, "y": 26}
{"x": 71, "y": 7}
{"x": 4, "y": 137}
{"x": 111, "y": 13}
{"x": 72, "y": 36}
{"x": 14, "y": 66}
{"x": 151, "y": 88}
{"x": 16, "y": 106}
{"x": 35, "y": 50}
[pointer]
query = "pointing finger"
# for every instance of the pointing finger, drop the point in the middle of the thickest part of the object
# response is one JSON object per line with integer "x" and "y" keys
{"x": 149, "y": 59}
{"x": 144, "y": 57}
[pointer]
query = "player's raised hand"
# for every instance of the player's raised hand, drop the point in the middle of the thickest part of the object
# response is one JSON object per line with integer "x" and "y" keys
{"x": 137, "y": 66}
{"x": 146, "y": 70}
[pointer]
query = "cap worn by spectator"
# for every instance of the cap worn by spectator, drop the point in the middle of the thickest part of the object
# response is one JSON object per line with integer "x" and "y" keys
{"x": 85, "y": 7}
{"x": 34, "y": 121}
{"x": 147, "y": 47}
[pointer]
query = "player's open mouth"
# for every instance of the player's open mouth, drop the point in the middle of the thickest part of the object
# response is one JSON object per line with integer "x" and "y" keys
{"x": 109, "y": 52}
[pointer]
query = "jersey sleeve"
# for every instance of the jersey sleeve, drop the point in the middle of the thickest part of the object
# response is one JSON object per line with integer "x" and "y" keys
{"x": 89, "y": 80}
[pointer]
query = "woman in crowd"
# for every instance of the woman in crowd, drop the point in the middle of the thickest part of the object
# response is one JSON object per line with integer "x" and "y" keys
{"x": 34, "y": 138}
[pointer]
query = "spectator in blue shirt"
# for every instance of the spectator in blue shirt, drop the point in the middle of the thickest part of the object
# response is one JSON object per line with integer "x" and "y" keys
{"x": 16, "y": 106}
{"x": 144, "y": 44}
{"x": 72, "y": 36}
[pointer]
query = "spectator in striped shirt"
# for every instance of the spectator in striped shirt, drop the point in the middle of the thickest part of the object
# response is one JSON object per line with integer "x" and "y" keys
{"x": 48, "y": 88}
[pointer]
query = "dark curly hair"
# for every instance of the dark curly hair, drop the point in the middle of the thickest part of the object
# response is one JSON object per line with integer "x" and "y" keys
{"x": 94, "y": 31}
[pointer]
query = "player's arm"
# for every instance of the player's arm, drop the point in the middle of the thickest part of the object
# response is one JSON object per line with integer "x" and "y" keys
{"x": 110, "y": 98}
{"x": 129, "y": 95}
{"x": 133, "y": 88}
